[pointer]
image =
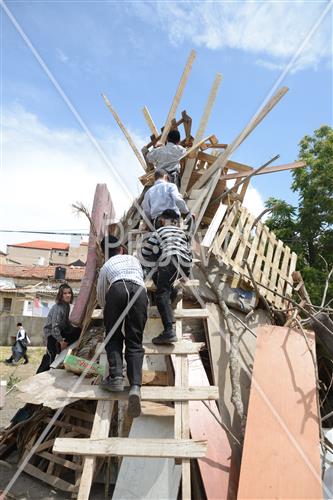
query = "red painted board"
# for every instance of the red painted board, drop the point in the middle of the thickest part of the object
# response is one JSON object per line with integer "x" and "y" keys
{"x": 281, "y": 454}
{"x": 215, "y": 467}
{"x": 102, "y": 212}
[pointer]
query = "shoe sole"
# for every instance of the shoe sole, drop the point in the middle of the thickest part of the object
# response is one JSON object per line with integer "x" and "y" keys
{"x": 167, "y": 341}
{"x": 119, "y": 388}
{"x": 134, "y": 406}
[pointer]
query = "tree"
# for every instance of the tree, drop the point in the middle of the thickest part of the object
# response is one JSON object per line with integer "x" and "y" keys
{"x": 308, "y": 228}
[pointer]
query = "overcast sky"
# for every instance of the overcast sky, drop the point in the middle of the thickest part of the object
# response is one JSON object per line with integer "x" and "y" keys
{"x": 58, "y": 140}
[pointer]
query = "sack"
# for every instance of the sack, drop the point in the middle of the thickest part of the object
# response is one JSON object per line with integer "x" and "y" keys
{"x": 25, "y": 341}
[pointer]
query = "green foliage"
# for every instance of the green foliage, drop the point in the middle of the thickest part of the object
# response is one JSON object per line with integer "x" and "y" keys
{"x": 12, "y": 380}
{"x": 308, "y": 228}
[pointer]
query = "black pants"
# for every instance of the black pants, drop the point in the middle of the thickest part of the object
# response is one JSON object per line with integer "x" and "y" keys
{"x": 16, "y": 356}
{"x": 164, "y": 279}
{"x": 70, "y": 334}
{"x": 129, "y": 330}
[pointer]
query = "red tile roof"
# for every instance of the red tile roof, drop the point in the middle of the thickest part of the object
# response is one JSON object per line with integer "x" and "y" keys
{"x": 43, "y": 245}
{"x": 39, "y": 272}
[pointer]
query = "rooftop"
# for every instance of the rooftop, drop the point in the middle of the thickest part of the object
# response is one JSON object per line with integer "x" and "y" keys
{"x": 42, "y": 245}
{"x": 39, "y": 272}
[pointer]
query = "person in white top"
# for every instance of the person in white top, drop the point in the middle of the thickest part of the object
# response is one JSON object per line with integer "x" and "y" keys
{"x": 19, "y": 349}
{"x": 122, "y": 293}
{"x": 163, "y": 197}
{"x": 167, "y": 156}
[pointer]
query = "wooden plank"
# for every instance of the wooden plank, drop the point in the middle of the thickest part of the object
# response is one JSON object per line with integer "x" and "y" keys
{"x": 272, "y": 282}
{"x": 189, "y": 283}
{"x": 292, "y": 267}
{"x": 153, "y": 479}
{"x": 201, "y": 130}
{"x": 102, "y": 210}
{"x": 214, "y": 226}
{"x": 181, "y": 313}
{"x": 131, "y": 447}
{"x": 222, "y": 160}
{"x": 206, "y": 199}
{"x": 56, "y": 482}
{"x": 100, "y": 429}
{"x": 215, "y": 467}
{"x": 125, "y": 132}
{"x": 281, "y": 453}
{"x": 61, "y": 356}
{"x": 180, "y": 347}
{"x": 59, "y": 460}
{"x": 266, "y": 170}
{"x": 151, "y": 408}
{"x": 257, "y": 272}
{"x": 148, "y": 393}
{"x": 178, "y": 95}
{"x": 150, "y": 122}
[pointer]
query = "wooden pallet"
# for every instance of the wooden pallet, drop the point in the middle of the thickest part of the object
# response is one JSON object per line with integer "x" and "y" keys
{"x": 272, "y": 263}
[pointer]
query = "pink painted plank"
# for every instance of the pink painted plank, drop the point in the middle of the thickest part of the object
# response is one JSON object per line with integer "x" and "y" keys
{"x": 102, "y": 211}
{"x": 281, "y": 449}
{"x": 215, "y": 467}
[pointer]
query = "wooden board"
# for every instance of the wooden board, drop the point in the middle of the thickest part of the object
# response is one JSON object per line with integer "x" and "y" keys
{"x": 215, "y": 467}
{"x": 253, "y": 123}
{"x": 180, "y": 347}
{"x": 153, "y": 479}
{"x": 134, "y": 447}
{"x": 102, "y": 210}
{"x": 281, "y": 457}
{"x": 155, "y": 393}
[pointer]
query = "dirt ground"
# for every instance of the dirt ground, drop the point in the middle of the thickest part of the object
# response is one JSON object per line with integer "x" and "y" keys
{"x": 25, "y": 487}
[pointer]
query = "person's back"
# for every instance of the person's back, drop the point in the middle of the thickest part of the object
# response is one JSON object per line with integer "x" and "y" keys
{"x": 167, "y": 157}
{"x": 163, "y": 196}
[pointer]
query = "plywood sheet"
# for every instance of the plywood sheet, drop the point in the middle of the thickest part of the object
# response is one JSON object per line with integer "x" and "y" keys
{"x": 281, "y": 457}
{"x": 154, "y": 478}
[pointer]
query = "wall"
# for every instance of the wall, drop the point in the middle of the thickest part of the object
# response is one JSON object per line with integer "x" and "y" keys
{"x": 28, "y": 256}
{"x": 76, "y": 253}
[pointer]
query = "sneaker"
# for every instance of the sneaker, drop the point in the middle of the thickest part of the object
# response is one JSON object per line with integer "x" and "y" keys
{"x": 165, "y": 338}
{"x": 8, "y": 361}
{"x": 113, "y": 384}
{"x": 26, "y": 362}
{"x": 134, "y": 401}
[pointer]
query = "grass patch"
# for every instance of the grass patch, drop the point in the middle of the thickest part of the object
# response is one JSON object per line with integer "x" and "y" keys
{"x": 34, "y": 353}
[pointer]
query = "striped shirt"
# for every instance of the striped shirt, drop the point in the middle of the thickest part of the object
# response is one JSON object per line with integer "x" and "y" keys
{"x": 57, "y": 321}
{"x": 118, "y": 267}
{"x": 164, "y": 244}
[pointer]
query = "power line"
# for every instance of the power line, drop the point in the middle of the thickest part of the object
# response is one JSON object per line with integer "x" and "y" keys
{"x": 44, "y": 232}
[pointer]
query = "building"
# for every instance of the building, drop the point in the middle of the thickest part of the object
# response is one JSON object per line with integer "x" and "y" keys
{"x": 46, "y": 253}
{"x": 26, "y": 295}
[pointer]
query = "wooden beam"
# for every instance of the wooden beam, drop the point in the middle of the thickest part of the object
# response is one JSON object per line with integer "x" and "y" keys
{"x": 214, "y": 226}
{"x": 150, "y": 122}
{"x": 125, "y": 447}
{"x": 125, "y": 132}
{"x": 266, "y": 170}
{"x": 201, "y": 130}
{"x": 180, "y": 347}
{"x": 223, "y": 158}
{"x": 178, "y": 95}
{"x": 148, "y": 393}
{"x": 101, "y": 428}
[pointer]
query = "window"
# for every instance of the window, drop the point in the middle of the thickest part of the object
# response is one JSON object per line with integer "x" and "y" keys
{"x": 7, "y": 305}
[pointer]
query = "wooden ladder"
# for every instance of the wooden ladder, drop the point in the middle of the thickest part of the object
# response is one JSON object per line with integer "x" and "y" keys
{"x": 181, "y": 447}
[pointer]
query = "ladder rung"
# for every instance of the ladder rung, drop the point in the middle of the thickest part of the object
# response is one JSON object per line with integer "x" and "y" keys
{"x": 150, "y": 393}
{"x": 188, "y": 284}
{"x": 180, "y": 347}
{"x": 153, "y": 313}
{"x": 131, "y": 447}
{"x": 180, "y": 313}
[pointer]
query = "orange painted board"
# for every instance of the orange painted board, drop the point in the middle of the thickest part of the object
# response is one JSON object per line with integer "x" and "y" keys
{"x": 101, "y": 214}
{"x": 281, "y": 454}
{"x": 215, "y": 467}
